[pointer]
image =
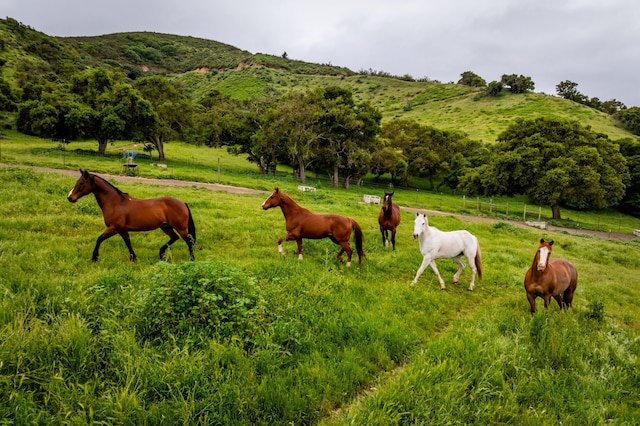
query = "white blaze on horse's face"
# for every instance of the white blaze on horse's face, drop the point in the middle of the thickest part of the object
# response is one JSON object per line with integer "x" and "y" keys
{"x": 544, "y": 256}
{"x": 419, "y": 225}
{"x": 264, "y": 204}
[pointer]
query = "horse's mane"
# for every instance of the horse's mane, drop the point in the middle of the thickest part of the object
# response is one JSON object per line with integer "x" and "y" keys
{"x": 122, "y": 194}
{"x": 292, "y": 202}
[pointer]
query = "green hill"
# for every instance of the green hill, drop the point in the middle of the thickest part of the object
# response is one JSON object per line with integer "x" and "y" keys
{"x": 202, "y": 65}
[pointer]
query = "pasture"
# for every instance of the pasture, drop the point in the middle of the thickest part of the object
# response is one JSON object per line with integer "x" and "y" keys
{"x": 244, "y": 336}
{"x": 302, "y": 342}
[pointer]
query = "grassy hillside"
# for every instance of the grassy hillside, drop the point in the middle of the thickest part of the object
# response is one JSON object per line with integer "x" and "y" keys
{"x": 202, "y": 65}
{"x": 444, "y": 106}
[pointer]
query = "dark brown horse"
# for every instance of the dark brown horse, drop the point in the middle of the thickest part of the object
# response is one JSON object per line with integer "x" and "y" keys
{"x": 389, "y": 219}
{"x": 123, "y": 213}
{"x": 549, "y": 278}
{"x": 302, "y": 223}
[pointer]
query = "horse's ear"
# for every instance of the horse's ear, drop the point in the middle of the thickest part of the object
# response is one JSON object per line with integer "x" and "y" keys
{"x": 85, "y": 173}
{"x": 551, "y": 242}
{"x": 541, "y": 240}
{"x": 276, "y": 190}
{"x": 391, "y": 193}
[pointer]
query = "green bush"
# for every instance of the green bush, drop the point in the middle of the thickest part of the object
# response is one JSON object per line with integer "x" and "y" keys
{"x": 195, "y": 301}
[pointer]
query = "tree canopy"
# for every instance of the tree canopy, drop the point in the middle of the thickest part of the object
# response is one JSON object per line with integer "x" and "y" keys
{"x": 554, "y": 162}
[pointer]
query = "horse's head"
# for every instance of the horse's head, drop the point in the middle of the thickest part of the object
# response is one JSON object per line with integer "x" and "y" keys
{"x": 83, "y": 186}
{"x": 420, "y": 224}
{"x": 544, "y": 254}
{"x": 274, "y": 199}
{"x": 387, "y": 202}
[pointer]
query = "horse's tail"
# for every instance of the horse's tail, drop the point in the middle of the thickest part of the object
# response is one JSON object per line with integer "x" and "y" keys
{"x": 478, "y": 260}
{"x": 359, "y": 239}
{"x": 191, "y": 226}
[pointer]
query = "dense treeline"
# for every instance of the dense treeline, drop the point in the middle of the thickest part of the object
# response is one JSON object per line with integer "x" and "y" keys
{"x": 320, "y": 130}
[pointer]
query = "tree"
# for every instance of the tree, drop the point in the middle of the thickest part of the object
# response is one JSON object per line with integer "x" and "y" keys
{"x": 630, "y": 203}
{"x": 350, "y": 134}
{"x": 172, "y": 107}
{"x": 494, "y": 89}
{"x": 297, "y": 121}
{"x": 518, "y": 83}
{"x": 569, "y": 90}
{"x": 630, "y": 119}
{"x": 469, "y": 78}
{"x": 426, "y": 150}
{"x": 104, "y": 107}
{"x": 553, "y": 162}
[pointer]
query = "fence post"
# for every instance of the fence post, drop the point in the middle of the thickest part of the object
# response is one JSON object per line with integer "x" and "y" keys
{"x": 507, "y": 210}
{"x": 524, "y": 214}
{"x": 539, "y": 213}
{"x": 464, "y": 201}
{"x": 477, "y": 204}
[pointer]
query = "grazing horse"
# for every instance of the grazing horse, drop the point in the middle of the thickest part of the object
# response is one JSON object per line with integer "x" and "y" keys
{"x": 389, "y": 219}
{"x": 549, "y": 278}
{"x": 436, "y": 244}
{"x": 123, "y": 213}
{"x": 302, "y": 223}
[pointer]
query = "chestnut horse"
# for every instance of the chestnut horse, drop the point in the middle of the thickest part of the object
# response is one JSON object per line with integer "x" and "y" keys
{"x": 436, "y": 244}
{"x": 548, "y": 278}
{"x": 389, "y": 219}
{"x": 123, "y": 213}
{"x": 302, "y": 223}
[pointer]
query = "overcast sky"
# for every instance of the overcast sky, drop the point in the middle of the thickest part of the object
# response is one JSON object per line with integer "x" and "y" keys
{"x": 594, "y": 43}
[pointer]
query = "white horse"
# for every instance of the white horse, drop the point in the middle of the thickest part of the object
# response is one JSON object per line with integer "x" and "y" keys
{"x": 435, "y": 244}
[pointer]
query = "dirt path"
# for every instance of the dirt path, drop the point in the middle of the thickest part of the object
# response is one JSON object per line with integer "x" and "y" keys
{"x": 167, "y": 182}
{"x": 241, "y": 190}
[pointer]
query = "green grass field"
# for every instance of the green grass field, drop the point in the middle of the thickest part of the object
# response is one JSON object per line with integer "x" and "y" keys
{"x": 244, "y": 336}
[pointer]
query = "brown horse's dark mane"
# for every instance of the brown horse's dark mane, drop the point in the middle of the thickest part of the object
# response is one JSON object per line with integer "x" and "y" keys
{"x": 290, "y": 201}
{"x": 118, "y": 191}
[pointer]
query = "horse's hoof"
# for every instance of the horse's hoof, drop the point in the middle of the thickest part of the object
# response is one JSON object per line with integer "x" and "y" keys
{"x": 94, "y": 260}
{"x": 470, "y": 289}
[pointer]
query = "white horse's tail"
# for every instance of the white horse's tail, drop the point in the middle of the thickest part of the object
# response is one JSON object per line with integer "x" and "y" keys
{"x": 478, "y": 260}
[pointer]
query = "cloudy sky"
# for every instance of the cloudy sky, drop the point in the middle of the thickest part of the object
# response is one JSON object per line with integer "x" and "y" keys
{"x": 594, "y": 43}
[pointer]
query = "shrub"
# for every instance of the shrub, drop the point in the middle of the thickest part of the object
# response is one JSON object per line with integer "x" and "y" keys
{"x": 200, "y": 300}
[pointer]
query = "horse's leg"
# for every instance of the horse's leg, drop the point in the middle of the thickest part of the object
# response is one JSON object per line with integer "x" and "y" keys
{"x": 393, "y": 238}
{"x": 173, "y": 238}
{"x": 188, "y": 238}
{"x": 384, "y": 236}
{"x": 127, "y": 241}
{"x": 547, "y": 299}
{"x": 299, "y": 243}
{"x": 280, "y": 249}
{"x": 345, "y": 247}
{"x": 568, "y": 297}
{"x": 559, "y": 300}
{"x": 461, "y": 266}
{"x": 435, "y": 269}
{"x": 425, "y": 262}
{"x": 532, "y": 302}
{"x": 108, "y": 233}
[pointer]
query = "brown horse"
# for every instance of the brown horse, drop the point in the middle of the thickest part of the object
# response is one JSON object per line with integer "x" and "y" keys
{"x": 548, "y": 278}
{"x": 389, "y": 219}
{"x": 302, "y": 223}
{"x": 123, "y": 213}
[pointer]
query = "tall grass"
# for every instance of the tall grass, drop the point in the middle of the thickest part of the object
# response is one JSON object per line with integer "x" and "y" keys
{"x": 303, "y": 342}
